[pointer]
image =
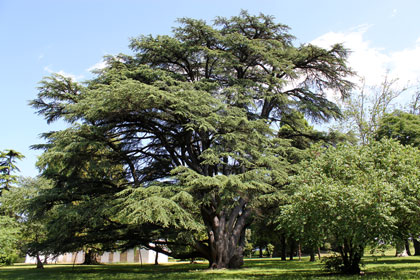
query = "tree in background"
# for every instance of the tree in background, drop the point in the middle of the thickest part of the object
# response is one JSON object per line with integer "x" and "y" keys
{"x": 401, "y": 126}
{"x": 363, "y": 111}
{"x": 404, "y": 128}
{"x": 16, "y": 203}
{"x": 7, "y": 167}
{"x": 193, "y": 119}
{"x": 353, "y": 196}
{"x": 9, "y": 228}
{"x": 9, "y": 240}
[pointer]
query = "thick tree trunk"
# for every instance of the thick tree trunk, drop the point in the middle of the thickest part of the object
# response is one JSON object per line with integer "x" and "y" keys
{"x": 261, "y": 252}
{"x": 416, "y": 244}
{"x": 226, "y": 233}
{"x": 90, "y": 258}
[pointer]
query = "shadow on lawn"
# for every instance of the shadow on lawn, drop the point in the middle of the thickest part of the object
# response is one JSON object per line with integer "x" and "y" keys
{"x": 267, "y": 269}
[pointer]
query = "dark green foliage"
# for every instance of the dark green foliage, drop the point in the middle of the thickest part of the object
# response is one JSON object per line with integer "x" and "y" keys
{"x": 334, "y": 263}
{"x": 401, "y": 126}
{"x": 181, "y": 141}
{"x": 10, "y": 229}
{"x": 7, "y": 167}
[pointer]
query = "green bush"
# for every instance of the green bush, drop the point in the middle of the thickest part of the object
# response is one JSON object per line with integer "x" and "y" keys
{"x": 8, "y": 259}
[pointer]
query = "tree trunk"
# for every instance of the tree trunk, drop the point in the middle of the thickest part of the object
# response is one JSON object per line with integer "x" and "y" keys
{"x": 261, "y": 252}
{"x": 226, "y": 232}
{"x": 283, "y": 247}
{"x": 416, "y": 244}
{"x": 299, "y": 252}
{"x": 156, "y": 258}
{"x": 277, "y": 250}
{"x": 90, "y": 258}
{"x": 39, "y": 263}
{"x": 312, "y": 256}
{"x": 292, "y": 248}
{"x": 407, "y": 247}
{"x": 351, "y": 257}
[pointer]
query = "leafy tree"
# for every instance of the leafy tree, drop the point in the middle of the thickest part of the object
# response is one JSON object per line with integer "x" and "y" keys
{"x": 193, "y": 119}
{"x": 401, "y": 126}
{"x": 353, "y": 196}
{"x": 7, "y": 167}
{"x": 9, "y": 240}
{"x": 16, "y": 203}
{"x": 9, "y": 228}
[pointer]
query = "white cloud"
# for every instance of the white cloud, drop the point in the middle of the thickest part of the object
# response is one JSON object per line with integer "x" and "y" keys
{"x": 98, "y": 66}
{"x": 65, "y": 74}
{"x": 373, "y": 63}
{"x": 368, "y": 62}
{"x": 405, "y": 63}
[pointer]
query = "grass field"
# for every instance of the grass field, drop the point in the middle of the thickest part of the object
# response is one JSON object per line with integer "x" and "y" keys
{"x": 376, "y": 268}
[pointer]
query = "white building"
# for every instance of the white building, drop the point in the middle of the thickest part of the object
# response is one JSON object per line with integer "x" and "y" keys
{"x": 129, "y": 256}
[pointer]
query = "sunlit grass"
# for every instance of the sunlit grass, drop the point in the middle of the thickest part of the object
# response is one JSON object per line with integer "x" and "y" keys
{"x": 382, "y": 267}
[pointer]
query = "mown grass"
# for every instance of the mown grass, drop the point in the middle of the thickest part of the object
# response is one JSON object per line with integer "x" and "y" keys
{"x": 384, "y": 267}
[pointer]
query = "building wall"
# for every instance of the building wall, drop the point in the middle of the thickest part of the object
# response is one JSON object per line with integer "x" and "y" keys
{"x": 130, "y": 256}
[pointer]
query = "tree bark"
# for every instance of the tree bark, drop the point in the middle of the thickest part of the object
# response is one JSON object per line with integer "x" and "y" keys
{"x": 90, "y": 258}
{"x": 39, "y": 263}
{"x": 283, "y": 247}
{"x": 156, "y": 258}
{"x": 226, "y": 232}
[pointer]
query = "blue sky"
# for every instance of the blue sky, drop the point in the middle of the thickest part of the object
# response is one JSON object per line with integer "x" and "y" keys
{"x": 40, "y": 37}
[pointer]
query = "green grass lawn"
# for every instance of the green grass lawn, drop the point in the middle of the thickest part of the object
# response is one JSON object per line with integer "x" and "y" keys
{"x": 376, "y": 268}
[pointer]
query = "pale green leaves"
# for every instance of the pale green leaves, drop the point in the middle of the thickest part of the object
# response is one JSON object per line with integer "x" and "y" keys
{"x": 357, "y": 193}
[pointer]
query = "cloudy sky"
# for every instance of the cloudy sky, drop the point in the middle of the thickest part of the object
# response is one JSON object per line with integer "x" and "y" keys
{"x": 70, "y": 37}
